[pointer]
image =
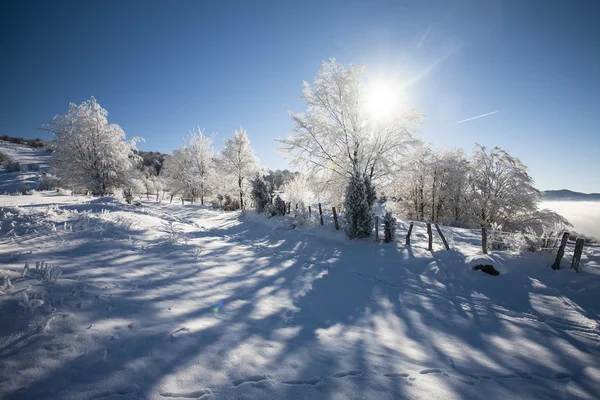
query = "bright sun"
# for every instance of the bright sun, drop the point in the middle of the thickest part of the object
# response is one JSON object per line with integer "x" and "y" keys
{"x": 382, "y": 98}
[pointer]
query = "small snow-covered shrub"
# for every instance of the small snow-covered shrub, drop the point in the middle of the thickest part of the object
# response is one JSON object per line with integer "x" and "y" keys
{"x": 2, "y": 157}
{"x": 231, "y": 204}
{"x": 174, "y": 235}
{"x": 128, "y": 195}
{"x": 496, "y": 239}
{"x": 12, "y": 166}
{"x": 47, "y": 182}
{"x": 301, "y": 216}
{"x": 389, "y": 227}
{"x": 260, "y": 193}
{"x": 548, "y": 241}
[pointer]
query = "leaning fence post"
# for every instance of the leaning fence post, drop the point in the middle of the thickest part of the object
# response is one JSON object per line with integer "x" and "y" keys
{"x": 376, "y": 228}
{"x": 321, "y": 213}
{"x": 337, "y": 226}
{"x": 561, "y": 251}
{"x": 437, "y": 227}
{"x": 309, "y": 212}
{"x": 408, "y": 234}
{"x": 484, "y": 240}
{"x": 577, "y": 254}
{"x": 430, "y": 237}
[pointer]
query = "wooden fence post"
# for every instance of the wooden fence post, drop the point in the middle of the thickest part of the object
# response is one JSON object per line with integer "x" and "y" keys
{"x": 321, "y": 213}
{"x": 430, "y": 237}
{"x": 437, "y": 227}
{"x": 577, "y": 254}
{"x": 484, "y": 240}
{"x": 309, "y": 212}
{"x": 337, "y": 226}
{"x": 561, "y": 251}
{"x": 289, "y": 207}
{"x": 408, "y": 234}
{"x": 377, "y": 228}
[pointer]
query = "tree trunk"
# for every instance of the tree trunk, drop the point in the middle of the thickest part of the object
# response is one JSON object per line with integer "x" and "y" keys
{"x": 241, "y": 193}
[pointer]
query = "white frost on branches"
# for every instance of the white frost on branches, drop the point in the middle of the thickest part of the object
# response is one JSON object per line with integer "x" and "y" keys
{"x": 189, "y": 170}
{"x": 238, "y": 161}
{"x": 337, "y": 135}
{"x": 89, "y": 153}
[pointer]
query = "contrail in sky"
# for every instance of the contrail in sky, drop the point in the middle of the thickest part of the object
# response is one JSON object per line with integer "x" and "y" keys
{"x": 424, "y": 37}
{"x": 479, "y": 116}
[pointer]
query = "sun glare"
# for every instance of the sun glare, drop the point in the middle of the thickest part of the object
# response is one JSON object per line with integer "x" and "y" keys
{"x": 382, "y": 99}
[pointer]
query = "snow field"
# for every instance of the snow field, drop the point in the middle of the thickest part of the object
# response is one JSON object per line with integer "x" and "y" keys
{"x": 167, "y": 301}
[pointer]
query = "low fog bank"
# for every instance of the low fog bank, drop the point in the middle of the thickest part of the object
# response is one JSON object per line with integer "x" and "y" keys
{"x": 584, "y": 215}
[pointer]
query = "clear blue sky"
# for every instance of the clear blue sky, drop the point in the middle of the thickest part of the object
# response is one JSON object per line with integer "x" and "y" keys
{"x": 162, "y": 68}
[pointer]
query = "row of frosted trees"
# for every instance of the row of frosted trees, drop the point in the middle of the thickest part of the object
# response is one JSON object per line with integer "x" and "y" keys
{"x": 344, "y": 150}
{"x": 347, "y": 152}
{"x": 90, "y": 155}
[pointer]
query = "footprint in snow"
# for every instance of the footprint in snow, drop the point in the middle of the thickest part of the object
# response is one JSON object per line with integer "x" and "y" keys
{"x": 431, "y": 371}
{"x": 187, "y": 395}
{"x": 397, "y": 375}
{"x": 354, "y": 372}
{"x": 250, "y": 379}
{"x": 312, "y": 381}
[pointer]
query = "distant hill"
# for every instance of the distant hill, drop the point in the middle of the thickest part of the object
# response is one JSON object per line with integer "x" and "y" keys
{"x": 569, "y": 195}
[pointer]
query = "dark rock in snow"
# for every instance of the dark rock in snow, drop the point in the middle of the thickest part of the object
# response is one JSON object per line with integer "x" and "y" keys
{"x": 487, "y": 269}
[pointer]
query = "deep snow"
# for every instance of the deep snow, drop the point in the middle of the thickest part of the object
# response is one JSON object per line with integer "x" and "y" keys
{"x": 168, "y": 301}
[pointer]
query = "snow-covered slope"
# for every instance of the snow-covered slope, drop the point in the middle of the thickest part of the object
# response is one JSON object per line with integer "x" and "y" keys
{"x": 11, "y": 182}
{"x": 167, "y": 301}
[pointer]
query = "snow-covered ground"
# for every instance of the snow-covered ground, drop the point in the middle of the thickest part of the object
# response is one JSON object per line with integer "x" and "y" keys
{"x": 167, "y": 301}
{"x": 11, "y": 182}
{"x": 584, "y": 215}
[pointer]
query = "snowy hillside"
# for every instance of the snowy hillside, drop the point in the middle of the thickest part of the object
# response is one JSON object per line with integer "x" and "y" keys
{"x": 30, "y": 159}
{"x": 167, "y": 301}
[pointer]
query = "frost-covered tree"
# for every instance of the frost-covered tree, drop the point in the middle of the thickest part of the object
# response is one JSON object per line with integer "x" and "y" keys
{"x": 89, "y": 153}
{"x": 260, "y": 193}
{"x": 238, "y": 161}
{"x": 200, "y": 150}
{"x": 300, "y": 194}
{"x": 189, "y": 170}
{"x": 175, "y": 173}
{"x": 502, "y": 188}
{"x": 298, "y": 190}
{"x": 337, "y": 135}
{"x": 358, "y": 219}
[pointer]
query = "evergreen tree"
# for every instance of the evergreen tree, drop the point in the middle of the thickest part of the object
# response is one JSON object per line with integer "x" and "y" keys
{"x": 371, "y": 193}
{"x": 260, "y": 193}
{"x": 358, "y": 220}
{"x": 278, "y": 206}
